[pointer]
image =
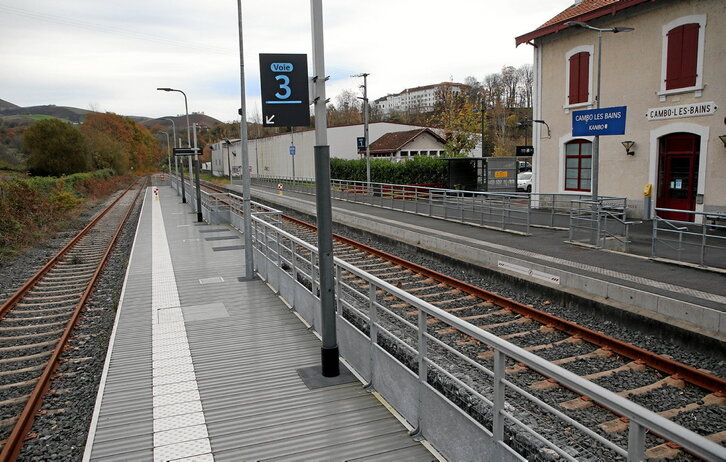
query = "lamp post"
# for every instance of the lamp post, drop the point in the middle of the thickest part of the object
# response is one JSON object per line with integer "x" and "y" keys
{"x": 365, "y": 128}
{"x": 189, "y": 143}
{"x": 168, "y": 149}
{"x": 227, "y": 143}
{"x": 173, "y": 130}
{"x": 483, "y": 112}
{"x": 596, "y": 141}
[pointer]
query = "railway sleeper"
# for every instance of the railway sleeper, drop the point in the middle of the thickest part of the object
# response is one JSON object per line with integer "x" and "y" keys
{"x": 452, "y": 330}
{"x": 34, "y": 304}
{"x": 23, "y": 384}
{"x": 584, "y": 402}
{"x": 620, "y": 424}
{"x": 29, "y": 347}
{"x": 39, "y": 367}
{"x": 38, "y": 299}
{"x": 671, "y": 450}
{"x": 16, "y": 359}
{"x": 37, "y": 318}
{"x": 35, "y": 326}
{"x": 551, "y": 383}
{"x": 29, "y": 336}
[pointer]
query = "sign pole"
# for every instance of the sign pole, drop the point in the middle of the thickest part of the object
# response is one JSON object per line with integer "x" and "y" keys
{"x": 246, "y": 200}
{"x": 196, "y": 178}
{"x": 329, "y": 351}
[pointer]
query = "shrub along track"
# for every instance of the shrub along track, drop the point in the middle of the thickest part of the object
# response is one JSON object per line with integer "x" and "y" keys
{"x": 677, "y": 391}
{"x": 38, "y": 321}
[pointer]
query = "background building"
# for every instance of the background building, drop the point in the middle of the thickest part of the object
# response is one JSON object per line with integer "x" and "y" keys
{"x": 271, "y": 155}
{"x": 419, "y": 99}
{"x": 668, "y": 72}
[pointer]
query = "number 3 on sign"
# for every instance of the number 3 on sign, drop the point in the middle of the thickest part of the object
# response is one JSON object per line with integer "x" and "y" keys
{"x": 284, "y": 86}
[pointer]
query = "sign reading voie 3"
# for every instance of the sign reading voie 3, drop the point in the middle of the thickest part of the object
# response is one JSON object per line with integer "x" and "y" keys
{"x": 284, "y": 88}
{"x": 603, "y": 121}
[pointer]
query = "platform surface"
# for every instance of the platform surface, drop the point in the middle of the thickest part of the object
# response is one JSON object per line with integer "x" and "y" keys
{"x": 203, "y": 363}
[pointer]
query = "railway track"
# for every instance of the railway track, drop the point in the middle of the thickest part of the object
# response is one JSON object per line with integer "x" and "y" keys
{"x": 692, "y": 397}
{"x": 39, "y": 319}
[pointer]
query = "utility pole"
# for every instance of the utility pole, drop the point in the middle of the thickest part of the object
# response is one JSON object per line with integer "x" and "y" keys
{"x": 246, "y": 200}
{"x": 196, "y": 179}
{"x": 329, "y": 351}
{"x": 365, "y": 128}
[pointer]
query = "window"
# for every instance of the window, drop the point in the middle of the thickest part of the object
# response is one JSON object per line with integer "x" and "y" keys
{"x": 578, "y": 165}
{"x": 579, "y": 88}
{"x": 682, "y": 56}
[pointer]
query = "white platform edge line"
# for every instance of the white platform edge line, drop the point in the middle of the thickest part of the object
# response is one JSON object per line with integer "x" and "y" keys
{"x": 109, "y": 350}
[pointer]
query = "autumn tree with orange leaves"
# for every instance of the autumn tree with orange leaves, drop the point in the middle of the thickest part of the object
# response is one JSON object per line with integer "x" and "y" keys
{"x": 120, "y": 143}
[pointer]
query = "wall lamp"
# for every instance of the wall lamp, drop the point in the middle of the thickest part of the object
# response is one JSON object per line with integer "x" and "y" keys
{"x": 723, "y": 139}
{"x": 627, "y": 145}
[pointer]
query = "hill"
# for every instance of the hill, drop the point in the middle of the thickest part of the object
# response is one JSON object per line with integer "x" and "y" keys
{"x": 19, "y": 115}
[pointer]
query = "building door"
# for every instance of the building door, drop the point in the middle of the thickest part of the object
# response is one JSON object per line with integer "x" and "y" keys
{"x": 678, "y": 175}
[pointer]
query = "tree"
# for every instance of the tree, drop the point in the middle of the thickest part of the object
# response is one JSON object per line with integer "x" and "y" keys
{"x": 139, "y": 147}
{"x": 455, "y": 114}
{"x": 55, "y": 148}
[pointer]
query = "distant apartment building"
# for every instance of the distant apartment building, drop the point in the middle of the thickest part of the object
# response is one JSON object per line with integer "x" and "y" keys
{"x": 419, "y": 99}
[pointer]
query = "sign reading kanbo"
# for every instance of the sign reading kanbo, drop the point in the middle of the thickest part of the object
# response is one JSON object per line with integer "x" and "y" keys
{"x": 604, "y": 121}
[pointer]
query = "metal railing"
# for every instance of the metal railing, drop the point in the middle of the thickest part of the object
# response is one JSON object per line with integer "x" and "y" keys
{"x": 701, "y": 241}
{"x": 502, "y": 211}
{"x": 602, "y": 224}
{"x": 398, "y": 343}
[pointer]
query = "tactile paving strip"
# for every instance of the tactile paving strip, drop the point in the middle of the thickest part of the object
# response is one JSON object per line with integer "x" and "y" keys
{"x": 180, "y": 431}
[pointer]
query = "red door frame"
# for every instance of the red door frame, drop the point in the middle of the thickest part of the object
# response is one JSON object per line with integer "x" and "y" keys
{"x": 678, "y": 159}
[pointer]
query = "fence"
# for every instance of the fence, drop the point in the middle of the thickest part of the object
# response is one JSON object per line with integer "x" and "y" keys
{"x": 602, "y": 223}
{"x": 701, "y": 244}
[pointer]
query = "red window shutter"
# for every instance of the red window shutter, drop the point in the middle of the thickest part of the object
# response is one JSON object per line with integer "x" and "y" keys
{"x": 579, "y": 78}
{"x": 584, "y": 76}
{"x": 682, "y": 59}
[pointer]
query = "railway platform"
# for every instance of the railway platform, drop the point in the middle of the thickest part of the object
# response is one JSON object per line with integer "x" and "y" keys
{"x": 206, "y": 364}
{"x": 685, "y": 297}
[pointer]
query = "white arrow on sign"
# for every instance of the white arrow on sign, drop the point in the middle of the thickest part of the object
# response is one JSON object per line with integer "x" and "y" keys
{"x": 270, "y": 119}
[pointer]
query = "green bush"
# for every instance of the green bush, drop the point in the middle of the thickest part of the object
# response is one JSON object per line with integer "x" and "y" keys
{"x": 30, "y": 207}
{"x": 418, "y": 170}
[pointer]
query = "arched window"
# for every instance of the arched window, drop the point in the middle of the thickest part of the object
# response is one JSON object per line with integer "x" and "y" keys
{"x": 578, "y": 165}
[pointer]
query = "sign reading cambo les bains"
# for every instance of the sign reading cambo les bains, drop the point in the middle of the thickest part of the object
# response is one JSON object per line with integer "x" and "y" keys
{"x": 683, "y": 110}
{"x": 604, "y": 121}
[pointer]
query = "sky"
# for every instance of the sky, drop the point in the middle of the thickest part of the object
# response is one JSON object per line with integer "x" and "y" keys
{"x": 111, "y": 56}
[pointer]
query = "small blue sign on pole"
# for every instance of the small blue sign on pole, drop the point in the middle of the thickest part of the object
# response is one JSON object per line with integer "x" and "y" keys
{"x": 292, "y": 150}
{"x": 603, "y": 121}
{"x": 361, "y": 142}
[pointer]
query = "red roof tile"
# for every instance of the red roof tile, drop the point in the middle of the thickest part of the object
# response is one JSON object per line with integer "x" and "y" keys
{"x": 394, "y": 141}
{"x": 583, "y": 11}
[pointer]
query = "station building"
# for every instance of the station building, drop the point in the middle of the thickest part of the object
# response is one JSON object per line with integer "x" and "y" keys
{"x": 272, "y": 155}
{"x": 669, "y": 73}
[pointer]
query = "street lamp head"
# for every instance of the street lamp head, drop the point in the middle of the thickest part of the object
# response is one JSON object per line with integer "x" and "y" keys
{"x": 165, "y": 89}
{"x": 584, "y": 25}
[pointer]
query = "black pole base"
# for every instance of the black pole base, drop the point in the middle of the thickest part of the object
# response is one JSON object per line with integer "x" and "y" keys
{"x": 184, "y": 200}
{"x": 329, "y": 360}
{"x": 199, "y": 217}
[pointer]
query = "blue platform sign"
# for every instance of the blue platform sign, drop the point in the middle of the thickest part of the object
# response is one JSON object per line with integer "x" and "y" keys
{"x": 603, "y": 121}
{"x": 292, "y": 150}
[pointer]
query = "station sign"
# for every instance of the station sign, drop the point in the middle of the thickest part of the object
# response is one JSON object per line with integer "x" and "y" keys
{"x": 186, "y": 151}
{"x": 603, "y": 121}
{"x": 526, "y": 151}
{"x": 284, "y": 88}
{"x": 292, "y": 150}
{"x": 361, "y": 142}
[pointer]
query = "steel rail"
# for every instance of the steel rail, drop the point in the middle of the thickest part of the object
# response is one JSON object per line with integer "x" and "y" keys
{"x": 14, "y": 443}
{"x": 30, "y": 283}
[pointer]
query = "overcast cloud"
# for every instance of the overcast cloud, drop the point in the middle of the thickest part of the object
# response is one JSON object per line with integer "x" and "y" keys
{"x": 111, "y": 56}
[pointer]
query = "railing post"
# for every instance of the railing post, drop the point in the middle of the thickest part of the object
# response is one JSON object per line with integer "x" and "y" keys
{"x": 422, "y": 370}
{"x": 636, "y": 442}
{"x": 704, "y": 235}
{"x": 498, "y": 398}
{"x": 654, "y": 236}
{"x": 372, "y": 332}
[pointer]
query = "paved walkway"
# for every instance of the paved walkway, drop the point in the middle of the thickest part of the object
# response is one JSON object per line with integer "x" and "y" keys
{"x": 204, "y": 364}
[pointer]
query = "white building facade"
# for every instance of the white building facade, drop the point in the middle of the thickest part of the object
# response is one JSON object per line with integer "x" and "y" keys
{"x": 669, "y": 73}
{"x": 272, "y": 155}
{"x": 419, "y": 99}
